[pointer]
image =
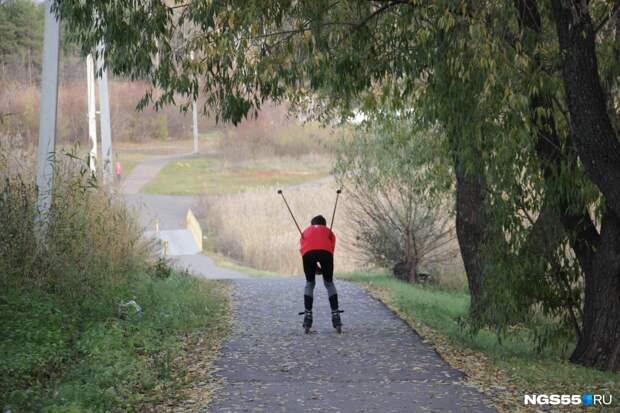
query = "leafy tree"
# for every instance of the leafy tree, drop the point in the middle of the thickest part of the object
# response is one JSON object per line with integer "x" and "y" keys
{"x": 21, "y": 37}
{"x": 523, "y": 92}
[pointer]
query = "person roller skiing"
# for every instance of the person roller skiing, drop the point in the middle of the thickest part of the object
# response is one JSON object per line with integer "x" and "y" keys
{"x": 317, "y": 244}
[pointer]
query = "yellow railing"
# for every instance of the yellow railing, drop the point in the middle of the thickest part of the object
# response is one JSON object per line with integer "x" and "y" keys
{"x": 194, "y": 227}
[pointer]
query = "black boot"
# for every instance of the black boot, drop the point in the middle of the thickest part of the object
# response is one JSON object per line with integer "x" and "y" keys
{"x": 333, "y": 302}
{"x": 307, "y": 324}
{"x": 336, "y": 321}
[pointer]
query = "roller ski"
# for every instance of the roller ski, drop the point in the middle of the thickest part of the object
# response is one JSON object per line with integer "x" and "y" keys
{"x": 336, "y": 321}
{"x": 307, "y": 324}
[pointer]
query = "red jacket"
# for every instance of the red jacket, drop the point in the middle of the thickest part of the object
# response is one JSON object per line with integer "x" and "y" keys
{"x": 317, "y": 237}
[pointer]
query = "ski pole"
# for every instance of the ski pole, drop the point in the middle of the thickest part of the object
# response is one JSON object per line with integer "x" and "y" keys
{"x": 335, "y": 205}
{"x": 289, "y": 210}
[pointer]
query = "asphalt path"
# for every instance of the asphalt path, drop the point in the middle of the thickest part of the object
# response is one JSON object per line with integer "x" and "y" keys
{"x": 378, "y": 364}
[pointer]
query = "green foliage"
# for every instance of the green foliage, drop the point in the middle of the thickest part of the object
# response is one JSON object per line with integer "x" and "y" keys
{"x": 245, "y": 57}
{"x": 21, "y": 35}
{"x": 65, "y": 346}
{"x": 395, "y": 148}
{"x": 57, "y": 357}
{"x": 480, "y": 77}
{"x": 161, "y": 269}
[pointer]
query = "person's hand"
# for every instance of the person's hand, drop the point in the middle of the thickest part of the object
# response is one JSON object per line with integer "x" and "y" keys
{"x": 318, "y": 270}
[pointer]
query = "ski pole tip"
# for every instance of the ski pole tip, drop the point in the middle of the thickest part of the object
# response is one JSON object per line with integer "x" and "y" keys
{"x": 338, "y": 191}
{"x": 279, "y": 191}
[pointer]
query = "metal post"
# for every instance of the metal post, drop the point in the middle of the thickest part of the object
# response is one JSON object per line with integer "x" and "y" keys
{"x": 47, "y": 115}
{"x": 104, "y": 109}
{"x": 92, "y": 116}
{"x": 195, "y": 117}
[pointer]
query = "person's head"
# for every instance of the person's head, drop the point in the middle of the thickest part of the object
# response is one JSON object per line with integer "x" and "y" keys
{"x": 318, "y": 220}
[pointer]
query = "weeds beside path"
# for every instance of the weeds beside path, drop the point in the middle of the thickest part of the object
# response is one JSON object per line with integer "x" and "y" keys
{"x": 505, "y": 370}
{"x": 88, "y": 323}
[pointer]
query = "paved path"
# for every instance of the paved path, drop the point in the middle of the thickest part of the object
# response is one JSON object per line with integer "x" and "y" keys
{"x": 169, "y": 211}
{"x": 147, "y": 170}
{"x": 378, "y": 364}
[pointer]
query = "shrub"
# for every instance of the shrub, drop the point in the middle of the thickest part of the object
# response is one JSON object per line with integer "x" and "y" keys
{"x": 396, "y": 218}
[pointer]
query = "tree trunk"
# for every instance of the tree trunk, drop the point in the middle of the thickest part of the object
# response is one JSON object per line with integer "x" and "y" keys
{"x": 583, "y": 233}
{"x": 599, "y": 150}
{"x": 597, "y": 144}
{"x": 413, "y": 271}
{"x": 599, "y": 345}
{"x": 470, "y": 229}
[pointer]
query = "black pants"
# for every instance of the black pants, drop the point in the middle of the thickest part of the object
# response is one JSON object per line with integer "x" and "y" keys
{"x": 326, "y": 260}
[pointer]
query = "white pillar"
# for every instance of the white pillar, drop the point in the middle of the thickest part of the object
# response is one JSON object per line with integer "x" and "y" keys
{"x": 47, "y": 115}
{"x": 92, "y": 115}
{"x": 194, "y": 117}
{"x": 104, "y": 110}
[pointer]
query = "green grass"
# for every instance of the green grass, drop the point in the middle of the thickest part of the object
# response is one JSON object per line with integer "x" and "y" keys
{"x": 547, "y": 372}
{"x": 129, "y": 160}
{"x": 58, "y": 355}
{"x": 211, "y": 176}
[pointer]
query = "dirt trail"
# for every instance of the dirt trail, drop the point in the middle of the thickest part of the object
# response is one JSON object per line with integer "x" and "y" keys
{"x": 169, "y": 211}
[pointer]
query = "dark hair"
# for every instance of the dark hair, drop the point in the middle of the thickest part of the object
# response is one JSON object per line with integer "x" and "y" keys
{"x": 318, "y": 220}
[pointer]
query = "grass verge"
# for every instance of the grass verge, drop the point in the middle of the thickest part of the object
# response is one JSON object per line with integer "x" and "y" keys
{"x": 214, "y": 177}
{"x": 507, "y": 370}
{"x": 60, "y": 356}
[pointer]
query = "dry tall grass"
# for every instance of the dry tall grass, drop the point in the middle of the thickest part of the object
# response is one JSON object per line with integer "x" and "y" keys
{"x": 256, "y": 229}
{"x": 92, "y": 238}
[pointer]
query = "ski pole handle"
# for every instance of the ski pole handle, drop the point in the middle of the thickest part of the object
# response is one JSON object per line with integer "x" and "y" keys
{"x": 338, "y": 191}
